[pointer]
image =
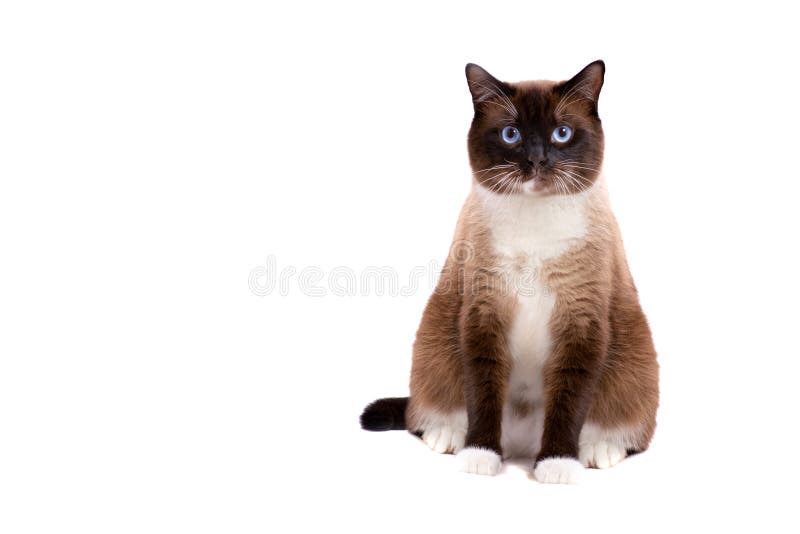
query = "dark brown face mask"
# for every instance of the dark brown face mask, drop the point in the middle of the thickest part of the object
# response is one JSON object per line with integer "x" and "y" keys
{"x": 539, "y": 137}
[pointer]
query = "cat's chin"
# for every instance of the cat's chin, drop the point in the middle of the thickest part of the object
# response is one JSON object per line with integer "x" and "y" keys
{"x": 532, "y": 188}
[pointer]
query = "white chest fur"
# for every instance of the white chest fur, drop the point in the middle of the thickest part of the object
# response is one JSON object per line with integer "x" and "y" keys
{"x": 539, "y": 228}
{"x": 526, "y": 232}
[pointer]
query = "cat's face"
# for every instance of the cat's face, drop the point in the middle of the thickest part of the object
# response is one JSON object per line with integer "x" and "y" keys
{"x": 536, "y": 138}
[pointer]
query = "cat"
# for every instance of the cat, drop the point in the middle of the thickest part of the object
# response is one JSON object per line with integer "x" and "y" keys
{"x": 534, "y": 344}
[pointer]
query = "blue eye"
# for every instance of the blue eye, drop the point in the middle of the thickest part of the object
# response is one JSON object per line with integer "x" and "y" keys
{"x": 562, "y": 134}
{"x": 510, "y": 135}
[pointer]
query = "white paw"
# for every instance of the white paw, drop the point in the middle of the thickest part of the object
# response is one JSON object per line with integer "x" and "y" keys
{"x": 601, "y": 454}
{"x": 479, "y": 461}
{"x": 558, "y": 471}
{"x": 444, "y": 439}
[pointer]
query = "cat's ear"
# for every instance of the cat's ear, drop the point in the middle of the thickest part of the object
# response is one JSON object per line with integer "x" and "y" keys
{"x": 483, "y": 85}
{"x": 586, "y": 83}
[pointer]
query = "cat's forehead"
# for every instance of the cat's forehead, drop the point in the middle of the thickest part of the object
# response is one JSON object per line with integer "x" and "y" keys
{"x": 535, "y": 87}
{"x": 536, "y": 97}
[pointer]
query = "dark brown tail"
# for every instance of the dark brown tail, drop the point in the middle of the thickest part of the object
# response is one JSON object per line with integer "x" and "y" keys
{"x": 385, "y": 414}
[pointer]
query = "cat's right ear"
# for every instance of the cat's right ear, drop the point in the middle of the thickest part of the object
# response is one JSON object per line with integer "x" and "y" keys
{"x": 483, "y": 85}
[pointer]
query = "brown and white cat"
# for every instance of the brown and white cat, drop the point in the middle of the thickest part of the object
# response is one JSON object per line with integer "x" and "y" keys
{"x": 534, "y": 343}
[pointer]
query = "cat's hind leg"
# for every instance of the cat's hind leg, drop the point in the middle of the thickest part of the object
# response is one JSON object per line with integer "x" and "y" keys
{"x": 602, "y": 448}
{"x": 443, "y": 433}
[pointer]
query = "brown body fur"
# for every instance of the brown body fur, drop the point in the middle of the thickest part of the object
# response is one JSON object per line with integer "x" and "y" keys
{"x": 596, "y": 304}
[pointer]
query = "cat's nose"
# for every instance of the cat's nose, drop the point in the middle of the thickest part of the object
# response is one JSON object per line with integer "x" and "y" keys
{"x": 537, "y": 156}
{"x": 535, "y": 161}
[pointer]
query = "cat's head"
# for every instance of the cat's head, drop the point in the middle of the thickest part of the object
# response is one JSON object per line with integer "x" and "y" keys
{"x": 536, "y": 138}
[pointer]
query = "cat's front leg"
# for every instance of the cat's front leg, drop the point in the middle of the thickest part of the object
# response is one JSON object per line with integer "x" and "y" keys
{"x": 486, "y": 371}
{"x": 570, "y": 381}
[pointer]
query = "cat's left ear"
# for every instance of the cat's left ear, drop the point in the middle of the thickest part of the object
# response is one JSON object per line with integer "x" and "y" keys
{"x": 587, "y": 82}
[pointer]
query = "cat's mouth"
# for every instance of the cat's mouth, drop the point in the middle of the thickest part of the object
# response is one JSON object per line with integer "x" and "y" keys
{"x": 517, "y": 181}
{"x": 533, "y": 174}
{"x": 553, "y": 181}
{"x": 510, "y": 179}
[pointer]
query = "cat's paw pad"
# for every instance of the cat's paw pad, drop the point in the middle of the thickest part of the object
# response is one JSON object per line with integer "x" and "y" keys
{"x": 601, "y": 454}
{"x": 444, "y": 439}
{"x": 479, "y": 461}
{"x": 558, "y": 471}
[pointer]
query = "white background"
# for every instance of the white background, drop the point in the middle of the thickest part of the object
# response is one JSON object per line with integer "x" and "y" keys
{"x": 153, "y": 154}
